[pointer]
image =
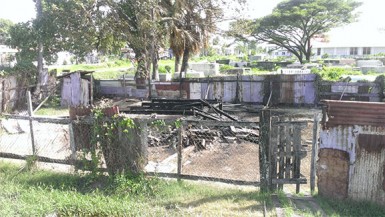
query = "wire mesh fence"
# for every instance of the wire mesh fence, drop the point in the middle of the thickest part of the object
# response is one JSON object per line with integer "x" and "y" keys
{"x": 221, "y": 150}
{"x": 163, "y": 139}
{"x": 210, "y": 150}
{"x": 48, "y": 139}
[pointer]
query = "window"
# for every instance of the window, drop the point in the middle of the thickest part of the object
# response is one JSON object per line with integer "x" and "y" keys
{"x": 353, "y": 51}
{"x": 366, "y": 51}
{"x": 318, "y": 51}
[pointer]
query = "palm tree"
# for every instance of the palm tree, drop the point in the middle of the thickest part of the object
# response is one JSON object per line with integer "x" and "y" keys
{"x": 189, "y": 23}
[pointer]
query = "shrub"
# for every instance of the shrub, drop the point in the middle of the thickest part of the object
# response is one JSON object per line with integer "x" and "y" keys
{"x": 224, "y": 68}
{"x": 334, "y": 73}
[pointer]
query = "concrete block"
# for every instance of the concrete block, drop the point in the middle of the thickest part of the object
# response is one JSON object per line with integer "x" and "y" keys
{"x": 206, "y": 68}
{"x": 165, "y": 77}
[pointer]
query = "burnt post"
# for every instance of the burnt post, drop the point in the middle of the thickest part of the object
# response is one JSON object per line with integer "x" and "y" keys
{"x": 179, "y": 149}
{"x": 314, "y": 153}
{"x": 264, "y": 150}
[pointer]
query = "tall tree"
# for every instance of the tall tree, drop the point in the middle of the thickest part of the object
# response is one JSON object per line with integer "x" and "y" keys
{"x": 5, "y": 26}
{"x": 190, "y": 23}
{"x": 294, "y": 23}
{"x": 39, "y": 15}
{"x": 134, "y": 20}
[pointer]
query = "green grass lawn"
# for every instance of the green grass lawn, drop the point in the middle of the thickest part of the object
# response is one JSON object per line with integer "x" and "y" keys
{"x": 39, "y": 193}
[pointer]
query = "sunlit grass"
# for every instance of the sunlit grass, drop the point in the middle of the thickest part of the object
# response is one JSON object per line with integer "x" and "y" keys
{"x": 39, "y": 193}
{"x": 52, "y": 111}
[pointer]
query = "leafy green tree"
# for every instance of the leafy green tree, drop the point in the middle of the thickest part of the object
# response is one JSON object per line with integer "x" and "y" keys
{"x": 5, "y": 26}
{"x": 293, "y": 23}
{"x": 134, "y": 20}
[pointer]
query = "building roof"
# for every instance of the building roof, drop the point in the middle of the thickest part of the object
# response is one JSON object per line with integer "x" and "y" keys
{"x": 347, "y": 37}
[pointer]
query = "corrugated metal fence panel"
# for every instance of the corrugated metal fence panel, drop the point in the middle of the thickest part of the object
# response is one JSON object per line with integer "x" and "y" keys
{"x": 367, "y": 179}
{"x": 359, "y": 129}
{"x": 366, "y": 148}
{"x": 351, "y": 91}
{"x": 354, "y": 113}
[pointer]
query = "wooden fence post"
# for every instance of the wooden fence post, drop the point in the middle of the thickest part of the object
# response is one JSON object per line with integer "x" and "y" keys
{"x": 314, "y": 153}
{"x": 273, "y": 146}
{"x": 30, "y": 114}
{"x": 264, "y": 150}
{"x": 179, "y": 149}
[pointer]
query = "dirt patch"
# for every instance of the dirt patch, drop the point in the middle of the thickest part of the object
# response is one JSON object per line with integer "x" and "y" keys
{"x": 225, "y": 160}
{"x": 160, "y": 153}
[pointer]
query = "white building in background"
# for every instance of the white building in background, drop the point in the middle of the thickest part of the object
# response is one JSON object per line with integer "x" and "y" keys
{"x": 350, "y": 44}
{"x": 7, "y": 56}
{"x": 273, "y": 51}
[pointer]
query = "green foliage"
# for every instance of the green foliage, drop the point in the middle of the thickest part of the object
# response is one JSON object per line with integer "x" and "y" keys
{"x": 134, "y": 184}
{"x": 334, "y": 73}
{"x": 350, "y": 208}
{"x": 240, "y": 29}
{"x": 158, "y": 123}
{"x": 52, "y": 111}
{"x": 325, "y": 56}
{"x": 5, "y": 26}
{"x": 165, "y": 69}
{"x": 30, "y": 162}
{"x": 104, "y": 141}
{"x": 258, "y": 71}
{"x": 178, "y": 123}
{"x": 121, "y": 195}
{"x": 224, "y": 68}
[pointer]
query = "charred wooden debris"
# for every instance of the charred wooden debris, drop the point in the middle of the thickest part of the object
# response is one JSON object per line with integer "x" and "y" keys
{"x": 208, "y": 123}
{"x": 205, "y": 109}
{"x": 204, "y": 136}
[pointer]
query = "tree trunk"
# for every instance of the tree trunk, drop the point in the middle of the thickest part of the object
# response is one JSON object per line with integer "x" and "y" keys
{"x": 142, "y": 71}
{"x": 177, "y": 63}
{"x": 186, "y": 56}
{"x": 155, "y": 66}
{"x": 308, "y": 51}
{"x": 40, "y": 77}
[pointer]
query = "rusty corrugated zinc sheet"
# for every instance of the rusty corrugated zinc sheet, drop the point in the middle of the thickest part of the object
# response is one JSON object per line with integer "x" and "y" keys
{"x": 353, "y": 113}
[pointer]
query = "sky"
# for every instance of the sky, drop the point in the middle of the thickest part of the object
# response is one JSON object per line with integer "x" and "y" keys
{"x": 372, "y": 16}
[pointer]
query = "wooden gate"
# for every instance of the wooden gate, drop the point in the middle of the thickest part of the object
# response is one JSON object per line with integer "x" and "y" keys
{"x": 281, "y": 151}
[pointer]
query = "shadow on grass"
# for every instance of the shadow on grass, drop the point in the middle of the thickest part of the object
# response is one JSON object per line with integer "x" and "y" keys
{"x": 257, "y": 199}
{"x": 58, "y": 181}
{"x": 349, "y": 207}
{"x": 167, "y": 194}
